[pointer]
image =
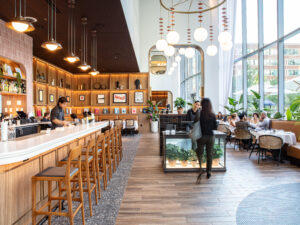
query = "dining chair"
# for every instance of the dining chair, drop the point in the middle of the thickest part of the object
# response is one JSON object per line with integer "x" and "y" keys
{"x": 224, "y": 128}
{"x": 254, "y": 144}
{"x": 270, "y": 143}
{"x": 242, "y": 135}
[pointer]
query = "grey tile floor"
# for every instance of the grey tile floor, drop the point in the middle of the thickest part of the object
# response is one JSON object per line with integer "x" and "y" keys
{"x": 105, "y": 213}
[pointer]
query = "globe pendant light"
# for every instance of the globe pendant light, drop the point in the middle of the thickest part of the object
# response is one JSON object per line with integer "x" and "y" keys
{"x": 174, "y": 64}
{"x": 178, "y": 58}
{"x": 226, "y": 46}
{"x": 94, "y": 49}
{"x": 182, "y": 51}
{"x": 21, "y": 23}
{"x": 71, "y": 58}
{"x": 190, "y": 52}
{"x": 169, "y": 51}
{"x": 84, "y": 66}
{"x": 51, "y": 44}
{"x": 200, "y": 34}
{"x": 211, "y": 50}
{"x": 224, "y": 37}
{"x": 161, "y": 44}
{"x": 173, "y": 36}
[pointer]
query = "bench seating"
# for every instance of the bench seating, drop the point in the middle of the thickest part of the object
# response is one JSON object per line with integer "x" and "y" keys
{"x": 293, "y": 126}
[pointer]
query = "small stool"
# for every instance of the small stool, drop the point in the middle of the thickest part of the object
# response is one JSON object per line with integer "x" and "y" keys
{"x": 60, "y": 174}
{"x": 88, "y": 168}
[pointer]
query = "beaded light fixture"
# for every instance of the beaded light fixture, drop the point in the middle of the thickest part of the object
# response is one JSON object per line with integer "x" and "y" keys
{"x": 211, "y": 50}
{"x": 200, "y": 34}
{"x": 161, "y": 44}
{"x": 173, "y": 36}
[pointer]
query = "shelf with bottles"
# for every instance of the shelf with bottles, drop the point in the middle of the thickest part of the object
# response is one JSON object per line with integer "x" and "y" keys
{"x": 12, "y": 86}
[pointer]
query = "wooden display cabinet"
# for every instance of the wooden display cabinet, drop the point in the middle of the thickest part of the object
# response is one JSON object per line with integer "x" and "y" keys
{"x": 52, "y": 76}
{"x": 142, "y": 77}
{"x": 121, "y": 78}
{"x": 100, "y": 82}
{"x": 52, "y": 96}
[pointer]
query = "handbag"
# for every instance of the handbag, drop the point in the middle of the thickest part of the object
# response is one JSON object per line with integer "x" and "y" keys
{"x": 196, "y": 132}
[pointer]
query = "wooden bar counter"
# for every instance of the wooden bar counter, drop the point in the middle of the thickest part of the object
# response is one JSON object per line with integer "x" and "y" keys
{"x": 26, "y": 156}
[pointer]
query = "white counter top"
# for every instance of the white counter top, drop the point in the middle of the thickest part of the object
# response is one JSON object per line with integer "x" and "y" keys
{"x": 27, "y": 147}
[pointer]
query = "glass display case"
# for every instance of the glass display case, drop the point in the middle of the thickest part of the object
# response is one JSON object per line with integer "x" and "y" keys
{"x": 179, "y": 153}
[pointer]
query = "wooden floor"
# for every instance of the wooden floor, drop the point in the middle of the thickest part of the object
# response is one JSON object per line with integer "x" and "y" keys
{"x": 155, "y": 197}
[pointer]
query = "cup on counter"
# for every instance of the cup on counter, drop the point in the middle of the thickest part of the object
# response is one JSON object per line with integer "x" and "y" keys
{"x": 167, "y": 132}
{"x": 173, "y": 132}
{"x": 48, "y": 131}
{"x": 18, "y": 122}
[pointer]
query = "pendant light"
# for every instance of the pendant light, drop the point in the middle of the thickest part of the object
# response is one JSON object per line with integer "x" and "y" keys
{"x": 211, "y": 50}
{"x": 71, "y": 58}
{"x": 21, "y": 23}
{"x": 84, "y": 66}
{"x": 173, "y": 36}
{"x": 161, "y": 44}
{"x": 200, "y": 34}
{"x": 52, "y": 44}
{"x": 94, "y": 70}
{"x": 190, "y": 51}
{"x": 224, "y": 37}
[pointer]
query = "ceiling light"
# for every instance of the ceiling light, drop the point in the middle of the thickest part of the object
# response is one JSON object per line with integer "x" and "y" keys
{"x": 226, "y": 46}
{"x": 94, "y": 72}
{"x": 71, "y": 59}
{"x": 161, "y": 44}
{"x": 84, "y": 67}
{"x": 169, "y": 51}
{"x": 224, "y": 37}
{"x": 211, "y": 50}
{"x": 178, "y": 58}
{"x": 21, "y": 24}
{"x": 182, "y": 51}
{"x": 51, "y": 45}
{"x": 173, "y": 37}
{"x": 94, "y": 48}
{"x": 200, "y": 34}
{"x": 190, "y": 52}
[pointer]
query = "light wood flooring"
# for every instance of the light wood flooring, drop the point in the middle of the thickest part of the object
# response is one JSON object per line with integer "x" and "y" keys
{"x": 155, "y": 197}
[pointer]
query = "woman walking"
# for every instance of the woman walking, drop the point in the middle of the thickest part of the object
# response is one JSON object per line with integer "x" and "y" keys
{"x": 208, "y": 123}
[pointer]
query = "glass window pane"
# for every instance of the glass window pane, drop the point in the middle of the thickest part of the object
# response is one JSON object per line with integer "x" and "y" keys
{"x": 252, "y": 26}
{"x": 237, "y": 80}
{"x": 238, "y": 30}
{"x": 291, "y": 15}
{"x": 271, "y": 79}
{"x": 270, "y": 20}
{"x": 252, "y": 79}
{"x": 292, "y": 69}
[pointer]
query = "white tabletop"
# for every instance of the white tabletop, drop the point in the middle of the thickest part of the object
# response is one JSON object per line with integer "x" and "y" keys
{"x": 287, "y": 137}
{"x": 26, "y": 147}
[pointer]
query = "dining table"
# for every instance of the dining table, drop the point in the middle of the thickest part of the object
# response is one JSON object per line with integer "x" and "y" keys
{"x": 286, "y": 136}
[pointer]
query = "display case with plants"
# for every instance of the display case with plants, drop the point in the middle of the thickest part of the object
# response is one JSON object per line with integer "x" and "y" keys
{"x": 217, "y": 155}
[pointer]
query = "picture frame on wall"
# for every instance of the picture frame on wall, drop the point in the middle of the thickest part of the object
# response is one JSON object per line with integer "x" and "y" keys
{"x": 123, "y": 110}
{"x": 51, "y": 98}
{"x": 82, "y": 98}
{"x": 119, "y": 98}
{"x": 68, "y": 98}
{"x": 41, "y": 95}
{"x": 100, "y": 99}
{"x": 138, "y": 97}
{"x": 116, "y": 110}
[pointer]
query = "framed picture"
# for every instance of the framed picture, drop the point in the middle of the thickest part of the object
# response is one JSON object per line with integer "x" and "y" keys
{"x": 41, "y": 95}
{"x": 51, "y": 98}
{"x": 68, "y": 98}
{"x": 81, "y": 97}
{"x": 139, "y": 97}
{"x": 133, "y": 110}
{"x": 116, "y": 110}
{"x": 100, "y": 99}
{"x": 123, "y": 111}
{"x": 105, "y": 111}
{"x": 119, "y": 98}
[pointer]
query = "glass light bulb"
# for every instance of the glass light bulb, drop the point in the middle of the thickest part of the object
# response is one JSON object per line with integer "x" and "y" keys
{"x": 71, "y": 59}
{"x": 161, "y": 44}
{"x": 174, "y": 64}
{"x": 182, "y": 51}
{"x": 84, "y": 67}
{"x": 226, "y": 46}
{"x": 20, "y": 26}
{"x": 169, "y": 51}
{"x": 51, "y": 47}
{"x": 224, "y": 37}
{"x": 190, "y": 52}
{"x": 212, "y": 50}
{"x": 173, "y": 37}
{"x": 178, "y": 58}
{"x": 200, "y": 34}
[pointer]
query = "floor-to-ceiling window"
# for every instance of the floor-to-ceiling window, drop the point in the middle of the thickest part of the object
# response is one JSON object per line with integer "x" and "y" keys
{"x": 267, "y": 53}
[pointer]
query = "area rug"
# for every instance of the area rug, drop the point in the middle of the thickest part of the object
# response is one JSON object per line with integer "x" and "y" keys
{"x": 276, "y": 205}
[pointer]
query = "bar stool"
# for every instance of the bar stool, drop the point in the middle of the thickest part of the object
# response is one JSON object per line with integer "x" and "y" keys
{"x": 112, "y": 148}
{"x": 108, "y": 153}
{"x": 117, "y": 150}
{"x": 61, "y": 174}
{"x": 88, "y": 168}
{"x": 120, "y": 147}
{"x": 101, "y": 158}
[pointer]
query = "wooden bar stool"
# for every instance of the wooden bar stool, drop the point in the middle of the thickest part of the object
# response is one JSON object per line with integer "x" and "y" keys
{"x": 108, "y": 153}
{"x": 89, "y": 172}
{"x": 101, "y": 161}
{"x": 112, "y": 148}
{"x": 120, "y": 147}
{"x": 60, "y": 174}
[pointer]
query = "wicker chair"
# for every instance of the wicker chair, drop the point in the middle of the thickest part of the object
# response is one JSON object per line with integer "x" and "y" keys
{"x": 240, "y": 135}
{"x": 224, "y": 128}
{"x": 270, "y": 143}
{"x": 254, "y": 145}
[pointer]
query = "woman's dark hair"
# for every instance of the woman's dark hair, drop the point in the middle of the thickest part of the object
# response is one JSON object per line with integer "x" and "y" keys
{"x": 233, "y": 116}
{"x": 256, "y": 114}
{"x": 85, "y": 114}
{"x": 61, "y": 100}
{"x": 206, "y": 108}
{"x": 196, "y": 101}
{"x": 73, "y": 116}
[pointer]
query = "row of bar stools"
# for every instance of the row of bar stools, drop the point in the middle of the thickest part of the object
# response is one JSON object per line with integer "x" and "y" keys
{"x": 70, "y": 174}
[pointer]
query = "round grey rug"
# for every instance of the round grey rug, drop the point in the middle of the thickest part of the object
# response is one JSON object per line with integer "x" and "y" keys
{"x": 276, "y": 205}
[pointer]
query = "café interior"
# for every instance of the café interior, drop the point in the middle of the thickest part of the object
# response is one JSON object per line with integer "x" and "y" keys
{"x": 150, "y": 112}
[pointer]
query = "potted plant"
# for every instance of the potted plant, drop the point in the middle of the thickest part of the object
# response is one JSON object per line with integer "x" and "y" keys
{"x": 180, "y": 104}
{"x": 153, "y": 115}
{"x": 233, "y": 106}
{"x": 172, "y": 154}
{"x": 184, "y": 157}
{"x": 193, "y": 158}
{"x": 278, "y": 116}
{"x": 217, "y": 154}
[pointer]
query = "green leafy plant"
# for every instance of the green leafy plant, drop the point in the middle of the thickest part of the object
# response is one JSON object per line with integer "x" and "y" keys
{"x": 190, "y": 104}
{"x": 295, "y": 108}
{"x": 19, "y": 80}
{"x": 278, "y": 115}
{"x": 172, "y": 152}
{"x": 180, "y": 103}
{"x": 233, "y": 106}
{"x": 255, "y": 102}
{"x": 217, "y": 152}
{"x": 193, "y": 155}
{"x": 289, "y": 114}
{"x": 183, "y": 155}
{"x": 153, "y": 111}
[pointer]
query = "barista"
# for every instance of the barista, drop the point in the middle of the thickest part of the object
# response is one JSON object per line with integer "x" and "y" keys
{"x": 58, "y": 115}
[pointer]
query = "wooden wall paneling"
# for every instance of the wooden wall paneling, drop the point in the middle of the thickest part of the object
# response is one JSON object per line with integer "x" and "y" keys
{"x": 40, "y": 68}
{"x": 118, "y": 92}
{"x": 62, "y": 152}
{"x": 123, "y": 81}
{"x": 69, "y": 94}
{"x": 60, "y": 92}
{"x": 11, "y": 103}
{"x": 52, "y": 91}
{"x": 68, "y": 82}
{"x": 132, "y": 97}
{"x": 48, "y": 160}
{"x": 83, "y": 82}
{"x": 144, "y": 80}
{"x": 52, "y": 76}
{"x": 87, "y": 98}
{"x": 94, "y": 97}
{"x": 102, "y": 80}
{"x": 61, "y": 79}
{"x": 43, "y": 88}
{"x": 74, "y": 82}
